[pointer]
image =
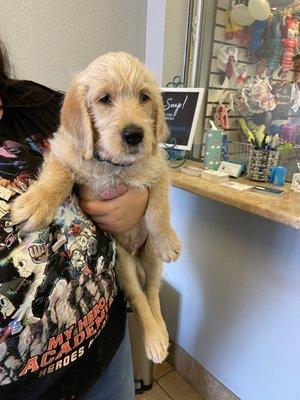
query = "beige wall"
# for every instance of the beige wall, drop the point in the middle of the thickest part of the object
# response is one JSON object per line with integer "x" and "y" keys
{"x": 174, "y": 39}
{"x": 49, "y": 40}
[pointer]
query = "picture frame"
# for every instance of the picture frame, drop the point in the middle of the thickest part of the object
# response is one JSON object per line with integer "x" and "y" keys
{"x": 182, "y": 110}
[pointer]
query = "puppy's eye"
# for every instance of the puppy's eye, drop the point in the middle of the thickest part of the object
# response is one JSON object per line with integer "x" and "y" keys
{"x": 105, "y": 99}
{"x": 143, "y": 97}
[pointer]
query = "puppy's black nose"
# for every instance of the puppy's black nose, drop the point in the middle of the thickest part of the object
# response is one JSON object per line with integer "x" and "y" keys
{"x": 132, "y": 134}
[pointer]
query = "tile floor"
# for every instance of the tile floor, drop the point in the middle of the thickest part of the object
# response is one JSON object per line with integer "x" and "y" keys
{"x": 169, "y": 385}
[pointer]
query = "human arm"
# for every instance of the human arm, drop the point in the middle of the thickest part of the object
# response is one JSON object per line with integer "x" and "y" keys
{"x": 120, "y": 213}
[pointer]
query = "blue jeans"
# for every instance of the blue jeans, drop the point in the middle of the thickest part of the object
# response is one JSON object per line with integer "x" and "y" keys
{"x": 117, "y": 381}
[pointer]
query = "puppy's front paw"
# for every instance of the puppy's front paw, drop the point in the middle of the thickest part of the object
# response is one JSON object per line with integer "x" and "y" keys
{"x": 166, "y": 247}
{"x": 156, "y": 344}
{"x": 36, "y": 207}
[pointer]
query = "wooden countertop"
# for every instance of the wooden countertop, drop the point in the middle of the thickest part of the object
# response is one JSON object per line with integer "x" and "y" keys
{"x": 284, "y": 208}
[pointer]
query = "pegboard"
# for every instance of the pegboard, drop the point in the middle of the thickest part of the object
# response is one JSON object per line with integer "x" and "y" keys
{"x": 216, "y": 89}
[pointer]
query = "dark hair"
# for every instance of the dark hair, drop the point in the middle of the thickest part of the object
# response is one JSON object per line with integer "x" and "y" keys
{"x": 5, "y": 66}
{"x": 20, "y": 93}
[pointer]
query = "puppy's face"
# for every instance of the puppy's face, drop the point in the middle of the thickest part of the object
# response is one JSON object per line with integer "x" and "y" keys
{"x": 118, "y": 108}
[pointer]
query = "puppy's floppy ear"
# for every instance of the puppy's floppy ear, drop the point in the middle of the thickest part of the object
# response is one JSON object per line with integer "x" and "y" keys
{"x": 161, "y": 129}
{"x": 76, "y": 119}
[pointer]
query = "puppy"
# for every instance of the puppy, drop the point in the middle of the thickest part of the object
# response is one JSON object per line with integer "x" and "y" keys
{"x": 112, "y": 121}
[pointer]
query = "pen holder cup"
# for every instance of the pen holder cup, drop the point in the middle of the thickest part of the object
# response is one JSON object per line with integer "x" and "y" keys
{"x": 261, "y": 163}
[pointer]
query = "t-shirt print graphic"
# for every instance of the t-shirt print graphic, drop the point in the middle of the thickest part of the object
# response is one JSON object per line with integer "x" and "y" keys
{"x": 56, "y": 285}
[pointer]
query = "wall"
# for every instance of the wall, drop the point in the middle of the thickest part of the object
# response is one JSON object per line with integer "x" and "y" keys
{"x": 165, "y": 38}
{"x": 174, "y": 39}
{"x": 155, "y": 37}
{"x": 49, "y": 40}
{"x": 233, "y": 299}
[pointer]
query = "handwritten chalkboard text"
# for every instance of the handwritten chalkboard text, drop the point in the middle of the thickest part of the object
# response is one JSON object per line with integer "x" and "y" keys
{"x": 174, "y": 107}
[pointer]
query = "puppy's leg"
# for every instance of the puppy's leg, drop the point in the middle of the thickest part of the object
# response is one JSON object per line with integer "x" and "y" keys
{"x": 38, "y": 206}
{"x": 155, "y": 339}
{"x": 162, "y": 238}
{"x": 152, "y": 267}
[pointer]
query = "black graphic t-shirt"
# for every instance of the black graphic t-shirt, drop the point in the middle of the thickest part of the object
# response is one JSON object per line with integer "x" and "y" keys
{"x": 61, "y": 315}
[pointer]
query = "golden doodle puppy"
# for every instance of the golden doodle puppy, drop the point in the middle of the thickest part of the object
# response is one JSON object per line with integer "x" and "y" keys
{"x": 112, "y": 122}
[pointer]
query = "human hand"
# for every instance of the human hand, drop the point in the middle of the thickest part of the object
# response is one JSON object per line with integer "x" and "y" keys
{"x": 119, "y": 214}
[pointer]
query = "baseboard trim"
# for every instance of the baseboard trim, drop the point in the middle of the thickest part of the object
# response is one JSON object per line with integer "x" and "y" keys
{"x": 198, "y": 377}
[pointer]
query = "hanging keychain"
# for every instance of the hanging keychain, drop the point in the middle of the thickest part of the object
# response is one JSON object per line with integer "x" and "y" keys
{"x": 290, "y": 32}
{"x": 226, "y": 61}
{"x": 221, "y": 117}
{"x": 241, "y": 74}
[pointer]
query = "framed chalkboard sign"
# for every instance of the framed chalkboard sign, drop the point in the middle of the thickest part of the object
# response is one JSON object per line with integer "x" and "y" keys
{"x": 182, "y": 108}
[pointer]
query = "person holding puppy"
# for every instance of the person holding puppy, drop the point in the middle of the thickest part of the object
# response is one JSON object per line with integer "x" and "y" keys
{"x": 62, "y": 328}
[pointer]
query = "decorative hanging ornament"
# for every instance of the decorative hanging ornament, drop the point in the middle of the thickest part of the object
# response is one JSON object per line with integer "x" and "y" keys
{"x": 259, "y": 9}
{"x": 240, "y": 13}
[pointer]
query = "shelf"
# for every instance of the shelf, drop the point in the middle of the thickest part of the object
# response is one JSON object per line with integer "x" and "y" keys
{"x": 284, "y": 208}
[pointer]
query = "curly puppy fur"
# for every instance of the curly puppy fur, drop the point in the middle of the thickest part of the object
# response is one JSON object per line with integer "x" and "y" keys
{"x": 90, "y": 150}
